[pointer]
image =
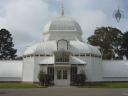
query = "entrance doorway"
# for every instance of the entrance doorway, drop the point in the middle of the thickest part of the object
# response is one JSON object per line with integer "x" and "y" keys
{"x": 62, "y": 74}
{"x": 62, "y": 77}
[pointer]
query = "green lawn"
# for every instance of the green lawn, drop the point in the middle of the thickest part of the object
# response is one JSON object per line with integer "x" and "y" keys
{"x": 19, "y": 85}
{"x": 87, "y": 85}
{"x": 105, "y": 85}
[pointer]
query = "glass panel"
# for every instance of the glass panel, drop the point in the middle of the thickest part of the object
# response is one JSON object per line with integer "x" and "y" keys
{"x": 64, "y": 74}
{"x": 50, "y": 72}
{"x": 73, "y": 73}
{"x": 62, "y": 56}
{"x": 59, "y": 72}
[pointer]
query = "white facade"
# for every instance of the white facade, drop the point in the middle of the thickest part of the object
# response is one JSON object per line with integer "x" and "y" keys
{"x": 63, "y": 34}
{"x": 62, "y": 49}
{"x": 112, "y": 70}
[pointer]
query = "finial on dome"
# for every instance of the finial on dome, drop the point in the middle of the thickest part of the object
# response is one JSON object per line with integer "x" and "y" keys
{"x": 62, "y": 7}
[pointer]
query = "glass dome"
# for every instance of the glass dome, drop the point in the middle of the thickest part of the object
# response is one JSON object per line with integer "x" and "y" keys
{"x": 62, "y": 24}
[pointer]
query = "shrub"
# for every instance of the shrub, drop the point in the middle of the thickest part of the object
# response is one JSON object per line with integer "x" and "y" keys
{"x": 44, "y": 79}
{"x": 81, "y": 78}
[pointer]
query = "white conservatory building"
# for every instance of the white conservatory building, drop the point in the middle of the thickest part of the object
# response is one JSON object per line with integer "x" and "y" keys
{"x": 62, "y": 54}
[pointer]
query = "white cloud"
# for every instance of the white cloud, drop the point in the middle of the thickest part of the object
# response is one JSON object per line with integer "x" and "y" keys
{"x": 94, "y": 13}
{"x": 26, "y": 18}
{"x": 26, "y": 15}
{"x": 89, "y": 20}
{"x": 2, "y": 22}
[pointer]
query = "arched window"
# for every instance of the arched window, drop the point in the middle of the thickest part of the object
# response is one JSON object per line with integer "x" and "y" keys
{"x": 62, "y": 44}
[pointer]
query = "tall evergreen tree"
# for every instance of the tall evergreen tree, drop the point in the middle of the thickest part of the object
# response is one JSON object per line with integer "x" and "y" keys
{"x": 7, "y": 52}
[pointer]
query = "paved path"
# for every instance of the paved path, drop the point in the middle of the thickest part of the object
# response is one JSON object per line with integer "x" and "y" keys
{"x": 64, "y": 92}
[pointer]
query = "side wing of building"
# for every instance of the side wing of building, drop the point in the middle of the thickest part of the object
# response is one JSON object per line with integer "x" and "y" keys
{"x": 115, "y": 70}
{"x": 11, "y": 71}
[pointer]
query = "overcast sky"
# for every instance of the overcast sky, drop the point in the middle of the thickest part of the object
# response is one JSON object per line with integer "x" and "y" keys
{"x": 25, "y": 19}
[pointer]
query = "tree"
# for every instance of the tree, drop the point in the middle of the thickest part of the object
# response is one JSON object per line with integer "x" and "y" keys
{"x": 7, "y": 51}
{"x": 124, "y": 46}
{"x": 108, "y": 39}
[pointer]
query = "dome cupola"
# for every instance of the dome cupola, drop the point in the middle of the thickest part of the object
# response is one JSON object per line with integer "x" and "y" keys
{"x": 62, "y": 27}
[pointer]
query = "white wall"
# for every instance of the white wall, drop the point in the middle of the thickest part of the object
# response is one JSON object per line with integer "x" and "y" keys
{"x": 37, "y": 67}
{"x": 11, "y": 70}
{"x": 96, "y": 69}
{"x": 28, "y": 69}
{"x": 115, "y": 70}
{"x": 93, "y": 68}
{"x": 111, "y": 70}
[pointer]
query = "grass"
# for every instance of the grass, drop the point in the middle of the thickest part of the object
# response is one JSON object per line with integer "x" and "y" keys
{"x": 105, "y": 85}
{"x": 87, "y": 85}
{"x": 19, "y": 85}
